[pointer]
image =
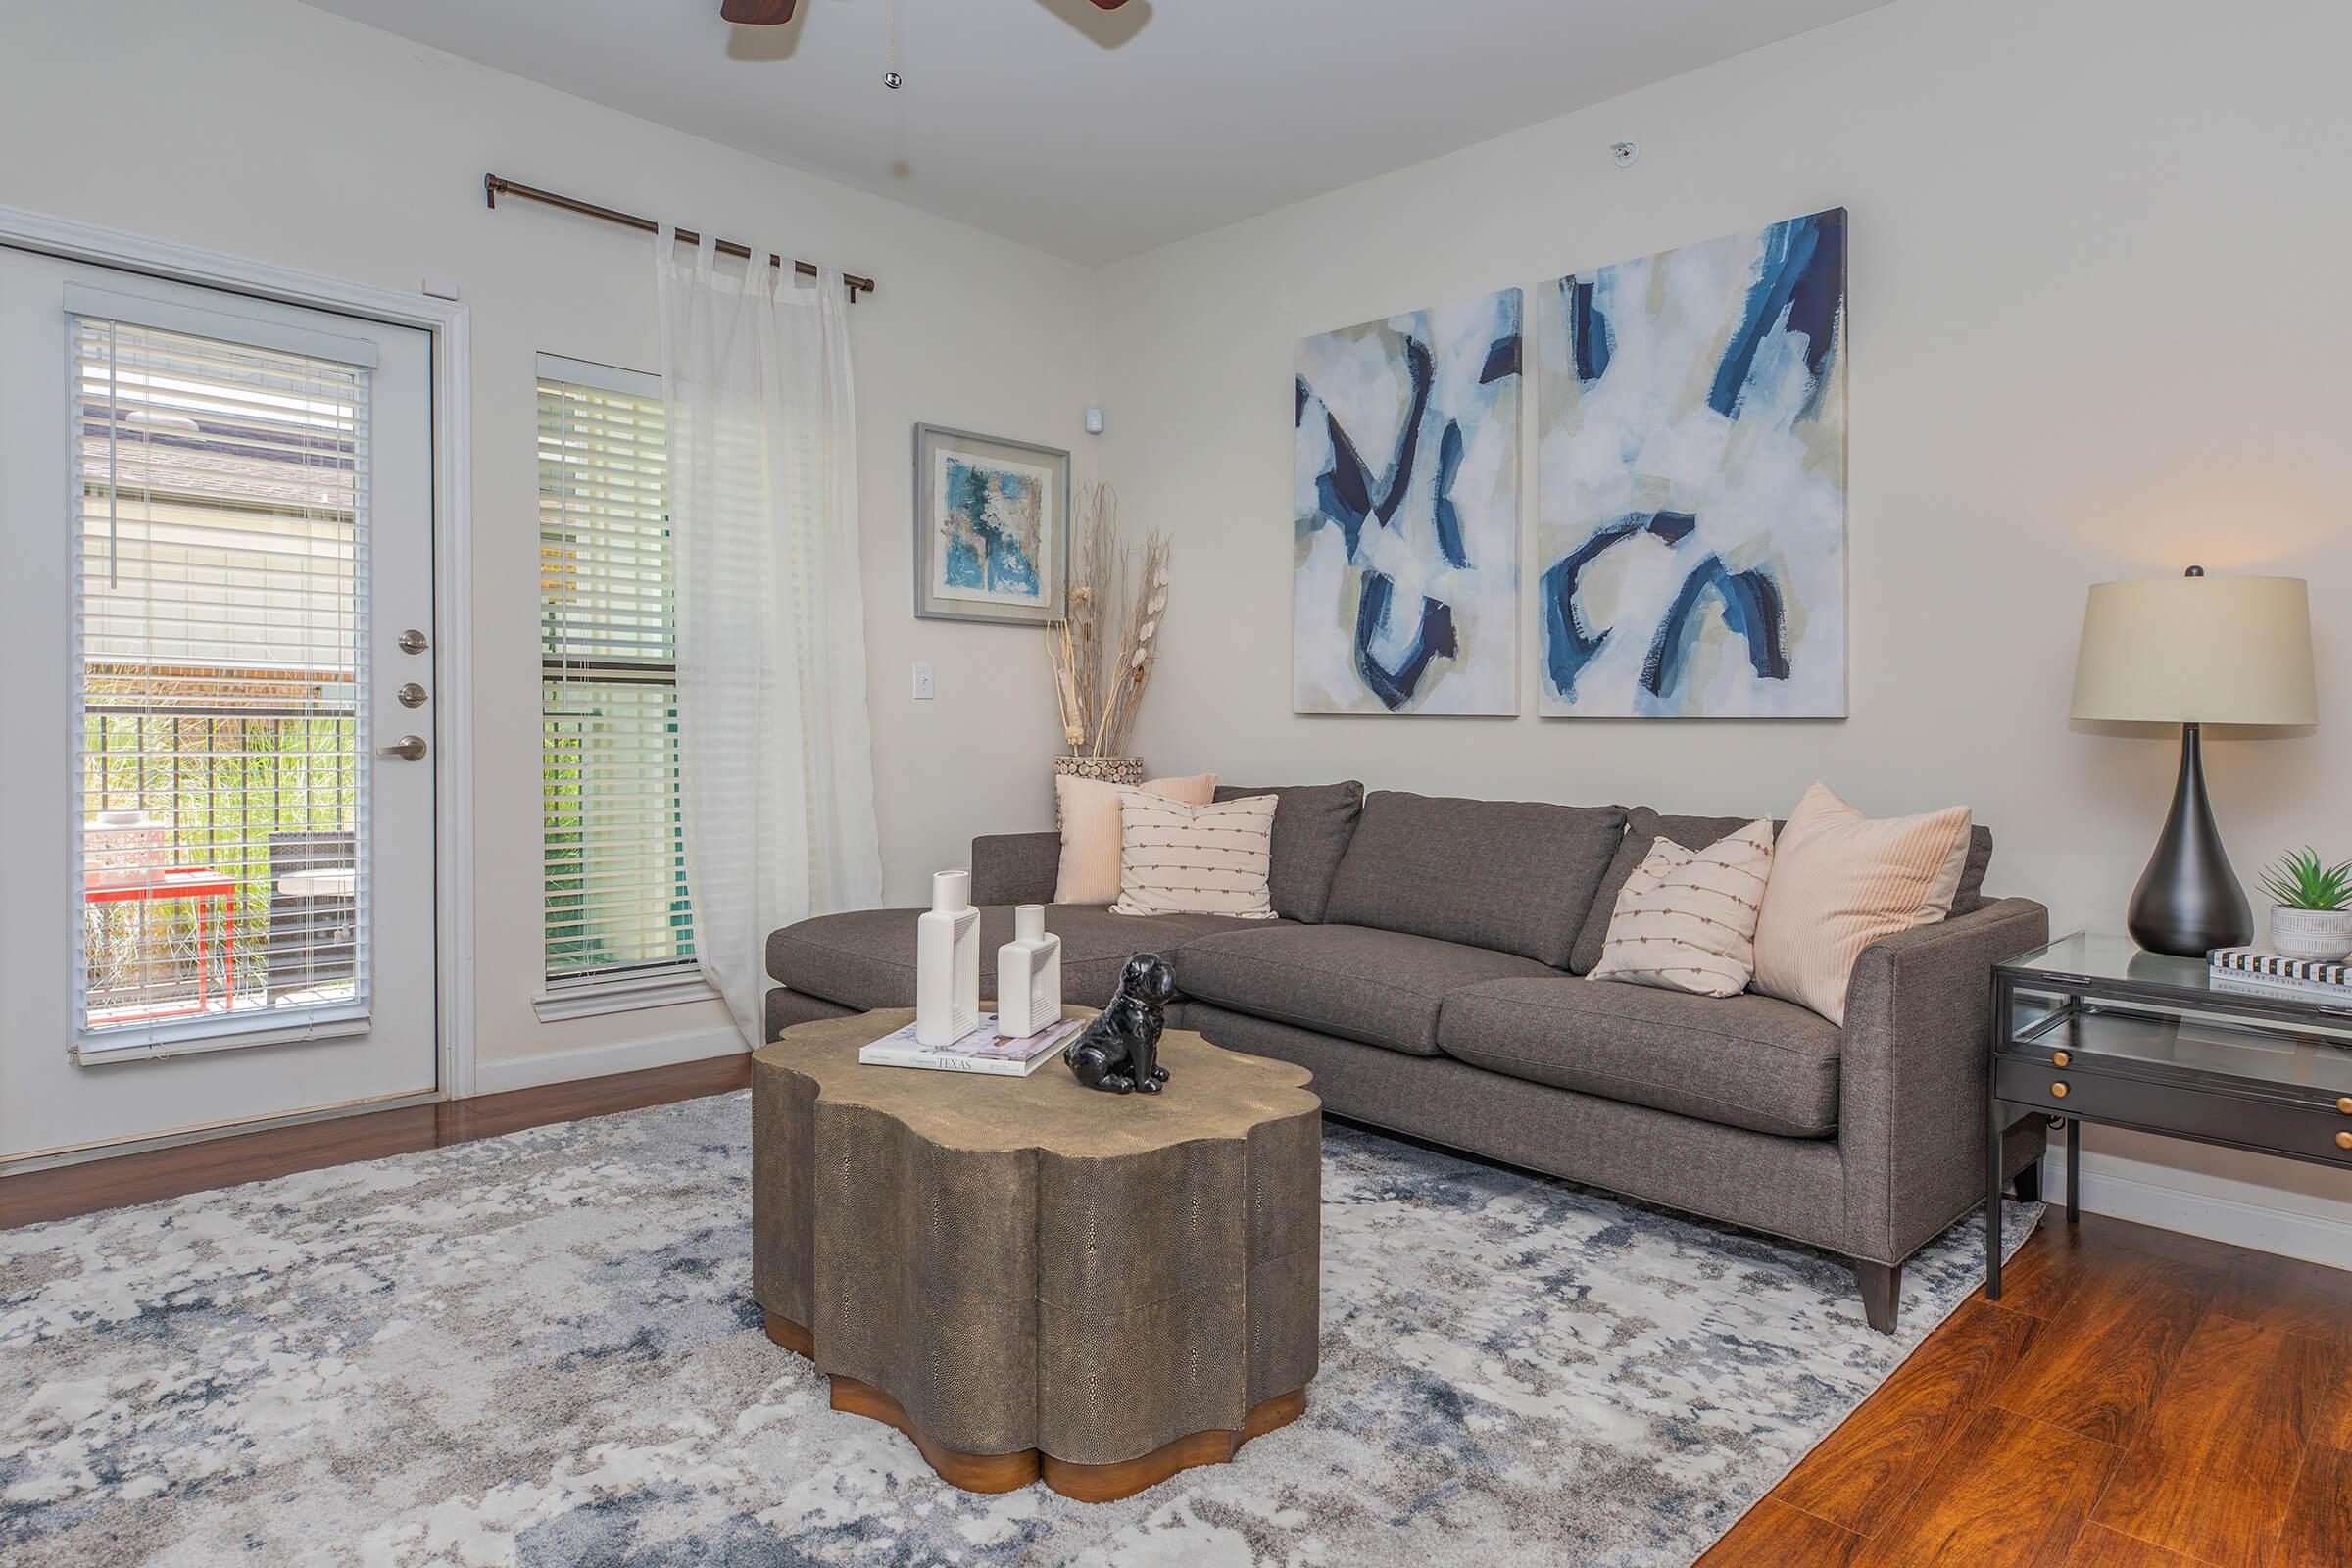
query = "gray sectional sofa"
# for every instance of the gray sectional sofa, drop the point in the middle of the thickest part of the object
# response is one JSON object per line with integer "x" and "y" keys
{"x": 1428, "y": 967}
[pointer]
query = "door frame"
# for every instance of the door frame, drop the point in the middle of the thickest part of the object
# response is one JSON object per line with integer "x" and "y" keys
{"x": 449, "y": 325}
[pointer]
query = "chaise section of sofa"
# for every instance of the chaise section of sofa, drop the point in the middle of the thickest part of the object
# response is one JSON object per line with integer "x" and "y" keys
{"x": 1428, "y": 968}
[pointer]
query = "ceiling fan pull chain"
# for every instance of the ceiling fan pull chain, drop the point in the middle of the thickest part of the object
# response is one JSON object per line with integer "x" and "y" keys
{"x": 891, "y": 77}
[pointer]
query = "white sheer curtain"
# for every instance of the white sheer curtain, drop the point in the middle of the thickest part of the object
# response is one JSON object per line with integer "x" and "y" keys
{"x": 775, "y": 759}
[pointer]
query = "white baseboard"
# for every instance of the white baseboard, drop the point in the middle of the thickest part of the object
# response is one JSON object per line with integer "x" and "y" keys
{"x": 2314, "y": 1237}
{"x": 595, "y": 1062}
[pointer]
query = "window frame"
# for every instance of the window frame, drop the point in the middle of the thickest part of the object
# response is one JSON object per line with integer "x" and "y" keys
{"x": 618, "y": 988}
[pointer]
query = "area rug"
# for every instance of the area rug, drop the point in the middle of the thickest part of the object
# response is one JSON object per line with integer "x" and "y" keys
{"x": 542, "y": 1349}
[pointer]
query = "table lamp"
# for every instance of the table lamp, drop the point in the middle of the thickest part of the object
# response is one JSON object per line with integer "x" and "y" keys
{"x": 2194, "y": 651}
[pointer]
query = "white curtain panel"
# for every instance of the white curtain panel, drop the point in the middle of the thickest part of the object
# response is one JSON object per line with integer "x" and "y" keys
{"x": 775, "y": 758}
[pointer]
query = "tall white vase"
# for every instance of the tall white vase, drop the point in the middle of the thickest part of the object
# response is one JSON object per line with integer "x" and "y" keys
{"x": 1028, "y": 974}
{"x": 947, "y": 963}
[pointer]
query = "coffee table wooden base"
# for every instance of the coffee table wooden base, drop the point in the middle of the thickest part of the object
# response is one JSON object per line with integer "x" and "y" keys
{"x": 1009, "y": 1472}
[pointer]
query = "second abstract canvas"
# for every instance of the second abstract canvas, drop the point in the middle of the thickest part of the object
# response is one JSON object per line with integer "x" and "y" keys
{"x": 1691, "y": 459}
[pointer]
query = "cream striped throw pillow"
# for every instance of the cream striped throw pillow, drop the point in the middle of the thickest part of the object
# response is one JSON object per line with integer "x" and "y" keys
{"x": 1841, "y": 881}
{"x": 1176, "y": 858}
{"x": 1685, "y": 919}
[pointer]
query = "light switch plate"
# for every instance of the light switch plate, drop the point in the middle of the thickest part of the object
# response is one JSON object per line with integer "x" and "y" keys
{"x": 924, "y": 688}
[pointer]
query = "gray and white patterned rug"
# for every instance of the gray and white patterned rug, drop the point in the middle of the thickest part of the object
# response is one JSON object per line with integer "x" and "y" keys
{"x": 542, "y": 1349}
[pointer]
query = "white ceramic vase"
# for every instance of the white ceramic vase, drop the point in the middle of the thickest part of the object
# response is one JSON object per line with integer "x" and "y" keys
{"x": 2324, "y": 935}
{"x": 1028, "y": 974}
{"x": 947, "y": 963}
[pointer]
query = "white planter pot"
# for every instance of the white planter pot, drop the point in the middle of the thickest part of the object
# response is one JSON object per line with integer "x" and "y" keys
{"x": 2325, "y": 935}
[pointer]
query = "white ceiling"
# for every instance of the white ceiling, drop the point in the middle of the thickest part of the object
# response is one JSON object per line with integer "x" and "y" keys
{"x": 1097, "y": 135}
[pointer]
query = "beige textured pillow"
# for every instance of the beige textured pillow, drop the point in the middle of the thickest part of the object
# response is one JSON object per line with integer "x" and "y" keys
{"x": 1195, "y": 859}
{"x": 1841, "y": 881}
{"x": 1685, "y": 919}
{"x": 1089, "y": 813}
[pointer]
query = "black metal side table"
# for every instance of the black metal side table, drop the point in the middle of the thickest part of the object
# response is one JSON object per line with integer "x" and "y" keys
{"x": 2093, "y": 1029}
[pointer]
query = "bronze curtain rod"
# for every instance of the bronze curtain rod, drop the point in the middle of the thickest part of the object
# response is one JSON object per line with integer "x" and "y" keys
{"x": 494, "y": 187}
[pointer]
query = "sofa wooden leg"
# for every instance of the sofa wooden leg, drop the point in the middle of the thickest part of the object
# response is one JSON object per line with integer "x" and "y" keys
{"x": 1881, "y": 1288}
{"x": 2028, "y": 1184}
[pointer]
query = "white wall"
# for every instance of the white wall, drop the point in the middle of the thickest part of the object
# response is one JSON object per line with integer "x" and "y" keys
{"x": 266, "y": 130}
{"x": 2099, "y": 328}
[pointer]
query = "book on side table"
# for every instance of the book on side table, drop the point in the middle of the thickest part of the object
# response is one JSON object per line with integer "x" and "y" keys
{"x": 2258, "y": 971}
{"x": 983, "y": 1050}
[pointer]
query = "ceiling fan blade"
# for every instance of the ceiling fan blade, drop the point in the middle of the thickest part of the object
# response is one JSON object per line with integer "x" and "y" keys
{"x": 1109, "y": 5}
{"x": 764, "y": 12}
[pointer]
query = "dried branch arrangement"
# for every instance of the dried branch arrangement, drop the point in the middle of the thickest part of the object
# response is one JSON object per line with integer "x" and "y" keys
{"x": 1103, "y": 654}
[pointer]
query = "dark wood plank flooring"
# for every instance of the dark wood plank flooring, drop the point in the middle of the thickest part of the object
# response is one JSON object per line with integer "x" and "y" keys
{"x": 2136, "y": 1400}
{"x": 63, "y": 1190}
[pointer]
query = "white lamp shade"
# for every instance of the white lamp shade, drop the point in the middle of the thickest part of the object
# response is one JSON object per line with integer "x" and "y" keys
{"x": 2197, "y": 651}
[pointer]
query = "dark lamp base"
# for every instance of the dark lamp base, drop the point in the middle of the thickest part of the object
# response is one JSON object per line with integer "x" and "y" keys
{"x": 2189, "y": 900}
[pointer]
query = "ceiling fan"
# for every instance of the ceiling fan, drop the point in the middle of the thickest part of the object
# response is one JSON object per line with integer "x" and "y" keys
{"x": 775, "y": 13}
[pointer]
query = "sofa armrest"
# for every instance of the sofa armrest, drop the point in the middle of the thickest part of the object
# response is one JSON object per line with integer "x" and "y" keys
{"x": 1912, "y": 1081}
{"x": 1015, "y": 867}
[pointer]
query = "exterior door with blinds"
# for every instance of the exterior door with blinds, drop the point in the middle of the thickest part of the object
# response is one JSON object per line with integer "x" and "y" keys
{"x": 219, "y": 513}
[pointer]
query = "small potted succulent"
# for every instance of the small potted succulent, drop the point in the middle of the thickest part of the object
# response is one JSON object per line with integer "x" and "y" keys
{"x": 2310, "y": 906}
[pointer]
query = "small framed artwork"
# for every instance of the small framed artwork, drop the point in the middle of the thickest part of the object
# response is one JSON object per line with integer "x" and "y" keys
{"x": 992, "y": 528}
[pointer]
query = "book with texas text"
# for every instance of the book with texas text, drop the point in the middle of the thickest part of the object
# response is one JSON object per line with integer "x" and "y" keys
{"x": 982, "y": 1050}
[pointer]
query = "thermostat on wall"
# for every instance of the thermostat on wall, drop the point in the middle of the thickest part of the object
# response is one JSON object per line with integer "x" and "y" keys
{"x": 1093, "y": 421}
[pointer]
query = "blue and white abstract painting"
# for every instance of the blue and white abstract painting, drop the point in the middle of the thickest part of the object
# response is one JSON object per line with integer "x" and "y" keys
{"x": 1405, "y": 509}
{"x": 1691, "y": 459}
{"x": 993, "y": 518}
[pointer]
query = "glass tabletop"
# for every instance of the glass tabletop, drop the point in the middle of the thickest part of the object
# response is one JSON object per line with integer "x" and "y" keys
{"x": 2103, "y": 997}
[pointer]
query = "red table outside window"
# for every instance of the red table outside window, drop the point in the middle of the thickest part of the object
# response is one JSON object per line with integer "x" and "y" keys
{"x": 214, "y": 898}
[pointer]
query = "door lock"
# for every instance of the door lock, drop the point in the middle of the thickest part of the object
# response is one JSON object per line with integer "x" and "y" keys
{"x": 408, "y": 748}
{"x": 413, "y": 641}
{"x": 411, "y": 694}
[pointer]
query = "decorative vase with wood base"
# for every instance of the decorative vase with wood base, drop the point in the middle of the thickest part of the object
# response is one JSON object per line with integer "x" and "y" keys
{"x": 1125, "y": 770}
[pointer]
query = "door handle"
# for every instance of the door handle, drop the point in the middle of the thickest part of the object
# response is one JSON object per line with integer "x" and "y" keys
{"x": 408, "y": 748}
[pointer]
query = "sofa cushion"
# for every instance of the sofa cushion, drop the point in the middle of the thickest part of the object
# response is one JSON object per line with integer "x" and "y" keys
{"x": 1743, "y": 1061}
{"x": 1645, "y": 827}
{"x": 1176, "y": 858}
{"x": 865, "y": 959}
{"x": 1380, "y": 987}
{"x": 1512, "y": 876}
{"x": 1971, "y": 896}
{"x": 1087, "y": 810}
{"x": 1312, "y": 825}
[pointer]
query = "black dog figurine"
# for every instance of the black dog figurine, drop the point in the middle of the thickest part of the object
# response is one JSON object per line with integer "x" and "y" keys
{"x": 1119, "y": 1051}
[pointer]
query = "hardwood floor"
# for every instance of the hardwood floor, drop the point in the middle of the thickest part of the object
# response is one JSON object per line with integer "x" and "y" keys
{"x": 2136, "y": 1400}
{"x": 146, "y": 1178}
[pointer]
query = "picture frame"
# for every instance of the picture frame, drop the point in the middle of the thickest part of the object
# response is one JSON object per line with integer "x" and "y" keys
{"x": 992, "y": 528}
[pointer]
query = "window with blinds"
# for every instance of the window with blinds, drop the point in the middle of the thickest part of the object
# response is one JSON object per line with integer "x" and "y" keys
{"x": 614, "y": 852}
{"x": 220, "y": 561}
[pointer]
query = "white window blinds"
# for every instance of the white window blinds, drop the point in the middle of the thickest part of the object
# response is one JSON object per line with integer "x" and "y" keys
{"x": 221, "y": 562}
{"x": 614, "y": 848}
